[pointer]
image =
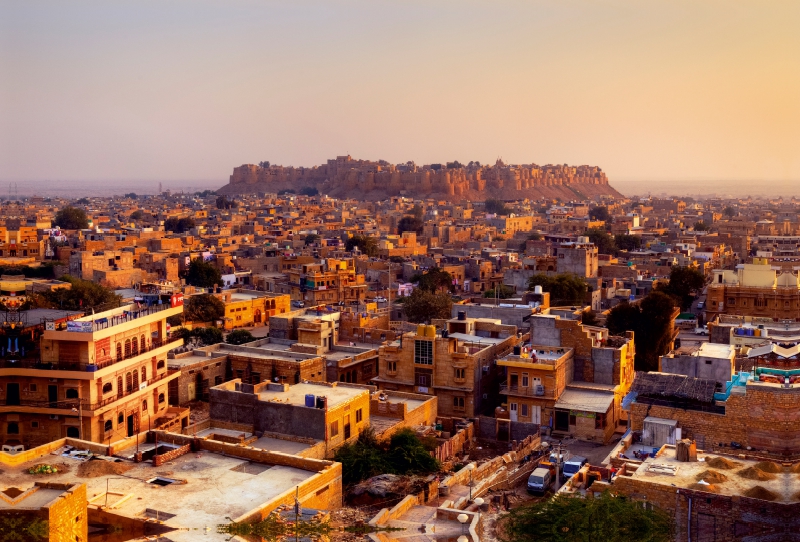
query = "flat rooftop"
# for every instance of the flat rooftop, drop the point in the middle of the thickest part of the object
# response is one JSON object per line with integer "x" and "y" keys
{"x": 666, "y": 469}
{"x": 296, "y": 394}
{"x": 210, "y": 487}
{"x": 35, "y": 500}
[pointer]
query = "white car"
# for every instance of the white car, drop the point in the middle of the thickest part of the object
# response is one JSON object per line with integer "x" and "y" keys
{"x": 381, "y": 299}
{"x": 701, "y": 331}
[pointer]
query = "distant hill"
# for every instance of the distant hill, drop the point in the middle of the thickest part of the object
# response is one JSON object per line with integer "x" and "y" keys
{"x": 345, "y": 177}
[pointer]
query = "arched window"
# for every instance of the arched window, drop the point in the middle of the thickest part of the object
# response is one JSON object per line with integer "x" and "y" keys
{"x": 135, "y": 346}
{"x": 120, "y": 418}
{"x": 144, "y": 374}
{"x": 142, "y": 344}
{"x": 13, "y": 428}
{"x": 128, "y": 382}
{"x": 119, "y": 351}
{"x": 144, "y": 405}
{"x": 107, "y": 387}
{"x": 160, "y": 398}
{"x": 109, "y": 425}
{"x": 120, "y": 389}
{"x": 135, "y": 380}
{"x": 160, "y": 364}
{"x": 72, "y": 393}
{"x": 73, "y": 432}
{"x": 127, "y": 347}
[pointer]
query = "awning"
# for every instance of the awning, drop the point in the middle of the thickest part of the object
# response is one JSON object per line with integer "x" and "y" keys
{"x": 585, "y": 400}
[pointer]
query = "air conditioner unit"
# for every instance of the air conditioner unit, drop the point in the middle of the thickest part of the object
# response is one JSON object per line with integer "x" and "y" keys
{"x": 539, "y": 389}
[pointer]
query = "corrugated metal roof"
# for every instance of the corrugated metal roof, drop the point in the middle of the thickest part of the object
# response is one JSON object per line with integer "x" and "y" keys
{"x": 585, "y": 400}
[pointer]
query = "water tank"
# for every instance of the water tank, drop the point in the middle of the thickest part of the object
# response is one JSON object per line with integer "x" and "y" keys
{"x": 421, "y": 330}
{"x": 758, "y": 332}
{"x": 462, "y": 315}
{"x": 322, "y": 402}
{"x": 517, "y": 350}
{"x": 311, "y": 400}
{"x": 430, "y": 331}
{"x": 537, "y": 289}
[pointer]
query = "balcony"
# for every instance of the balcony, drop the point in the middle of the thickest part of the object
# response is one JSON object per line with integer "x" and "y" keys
{"x": 121, "y": 316}
{"x": 526, "y": 391}
{"x": 66, "y": 365}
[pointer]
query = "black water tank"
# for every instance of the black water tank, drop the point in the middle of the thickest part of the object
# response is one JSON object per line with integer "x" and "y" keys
{"x": 517, "y": 350}
{"x": 462, "y": 315}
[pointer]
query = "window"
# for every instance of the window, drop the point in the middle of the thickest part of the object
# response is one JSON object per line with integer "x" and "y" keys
{"x": 135, "y": 379}
{"x": 160, "y": 364}
{"x": 160, "y": 398}
{"x": 34, "y": 425}
{"x": 459, "y": 374}
{"x": 217, "y": 380}
{"x": 423, "y": 352}
{"x": 119, "y": 351}
{"x": 135, "y": 346}
{"x": 107, "y": 387}
{"x": 127, "y": 348}
{"x": 144, "y": 374}
{"x": 334, "y": 428}
{"x": 523, "y": 410}
{"x": 109, "y": 425}
{"x": 73, "y": 432}
{"x": 129, "y": 382}
{"x": 423, "y": 377}
{"x": 573, "y": 420}
{"x": 600, "y": 421}
{"x": 391, "y": 366}
{"x": 144, "y": 405}
{"x": 33, "y": 388}
{"x": 731, "y": 301}
{"x": 525, "y": 380}
{"x": 13, "y": 428}
{"x": 359, "y": 416}
{"x": 72, "y": 393}
{"x": 120, "y": 418}
{"x": 458, "y": 403}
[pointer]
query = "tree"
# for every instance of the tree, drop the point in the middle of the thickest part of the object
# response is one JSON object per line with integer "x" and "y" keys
{"x": 535, "y": 236}
{"x": 264, "y": 164}
{"x": 651, "y": 322}
{"x": 683, "y": 282}
{"x": 564, "y": 288}
{"x": 240, "y": 336}
{"x": 410, "y": 223}
{"x": 178, "y": 225}
{"x": 434, "y": 279}
{"x": 604, "y": 242}
{"x": 208, "y": 335}
{"x": 71, "y": 218}
{"x": 454, "y": 165}
{"x": 627, "y": 242}
{"x": 612, "y": 518}
{"x": 599, "y": 213}
{"x": 729, "y": 211}
{"x": 700, "y": 226}
{"x": 589, "y": 318}
{"x": 311, "y": 238}
{"x": 309, "y": 191}
{"x": 503, "y": 292}
{"x": 137, "y": 215}
{"x": 366, "y": 244}
{"x": 205, "y": 193}
{"x": 203, "y": 274}
{"x": 131, "y": 195}
{"x": 203, "y": 308}
{"x": 224, "y": 203}
{"x": 423, "y": 306}
{"x": 497, "y": 207}
{"x": 82, "y": 295}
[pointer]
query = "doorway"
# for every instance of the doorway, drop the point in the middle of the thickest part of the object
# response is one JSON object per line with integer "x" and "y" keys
{"x": 12, "y": 393}
{"x": 562, "y": 420}
{"x": 52, "y": 395}
{"x": 347, "y": 427}
{"x": 130, "y": 425}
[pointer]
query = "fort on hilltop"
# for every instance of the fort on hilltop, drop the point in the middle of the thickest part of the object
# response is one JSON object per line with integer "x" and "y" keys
{"x": 346, "y": 177}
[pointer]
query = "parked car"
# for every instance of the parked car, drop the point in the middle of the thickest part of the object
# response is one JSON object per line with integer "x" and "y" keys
{"x": 701, "y": 330}
{"x": 540, "y": 481}
{"x": 381, "y": 299}
{"x": 298, "y": 304}
{"x": 701, "y": 305}
{"x": 573, "y": 465}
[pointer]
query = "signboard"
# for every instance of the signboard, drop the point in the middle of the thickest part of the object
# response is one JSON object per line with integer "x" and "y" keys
{"x": 80, "y": 327}
{"x": 581, "y": 414}
{"x": 176, "y": 300}
{"x": 143, "y": 385}
{"x": 49, "y": 326}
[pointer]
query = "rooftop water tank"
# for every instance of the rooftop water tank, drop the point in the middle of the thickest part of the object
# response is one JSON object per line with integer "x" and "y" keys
{"x": 311, "y": 400}
{"x": 537, "y": 289}
{"x": 462, "y": 315}
{"x": 430, "y": 331}
{"x": 421, "y": 330}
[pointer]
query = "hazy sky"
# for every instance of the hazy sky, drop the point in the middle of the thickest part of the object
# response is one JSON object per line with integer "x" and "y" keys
{"x": 174, "y": 90}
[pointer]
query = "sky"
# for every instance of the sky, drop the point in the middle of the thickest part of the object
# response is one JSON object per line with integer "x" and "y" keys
{"x": 656, "y": 91}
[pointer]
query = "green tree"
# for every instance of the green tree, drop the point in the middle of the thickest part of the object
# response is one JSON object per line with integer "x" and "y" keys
{"x": 240, "y": 336}
{"x": 224, "y": 203}
{"x": 423, "y": 306}
{"x": 312, "y": 238}
{"x": 131, "y": 195}
{"x": 589, "y": 318}
{"x": 203, "y": 308}
{"x": 203, "y": 274}
{"x": 434, "y": 279}
{"x": 137, "y": 215}
{"x": 366, "y": 244}
{"x": 82, "y": 295}
{"x": 603, "y": 240}
{"x": 264, "y": 164}
{"x": 503, "y": 292}
{"x": 208, "y": 335}
{"x": 496, "y": 206}
{"x": 729, "y": 211}
{"x": 71, "y": 218}
{"x": 599, "y": 213}
{"x": 700, "y": 226}
{"x": 564, "y": 288}
{"x": 179, "y": 225}
{"x": 683, "y": 283}
{"x": 308, "y": 191}
{"x": 627, "y": 242}
{"x": 611, "y": 518}
{"x": 410, "y": 223}
{"x": 651, "y": 322}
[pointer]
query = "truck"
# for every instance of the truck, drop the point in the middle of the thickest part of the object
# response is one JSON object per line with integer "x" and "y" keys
{"x": 540, "y": 481}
